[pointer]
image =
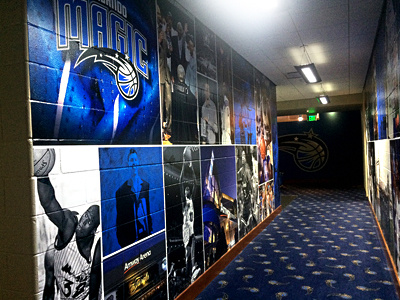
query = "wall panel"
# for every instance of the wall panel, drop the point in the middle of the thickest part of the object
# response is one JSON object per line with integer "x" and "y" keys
{"x": 382, "y": 119}
{"x": 154, "y": 147}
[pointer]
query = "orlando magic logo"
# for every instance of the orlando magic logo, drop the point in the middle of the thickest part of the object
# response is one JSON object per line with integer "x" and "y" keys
{"x": 124, "y": 71}
{"x": 309, "y": 152}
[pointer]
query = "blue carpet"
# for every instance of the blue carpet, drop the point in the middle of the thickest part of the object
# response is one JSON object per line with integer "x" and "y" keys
{"x": 324, "y": 245}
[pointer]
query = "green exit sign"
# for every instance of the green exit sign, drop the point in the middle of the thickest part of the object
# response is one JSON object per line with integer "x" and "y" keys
{"x": 312, "y": 118}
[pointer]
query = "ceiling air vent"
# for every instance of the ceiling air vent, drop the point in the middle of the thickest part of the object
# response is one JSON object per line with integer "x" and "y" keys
{"x": 293, "y": 75}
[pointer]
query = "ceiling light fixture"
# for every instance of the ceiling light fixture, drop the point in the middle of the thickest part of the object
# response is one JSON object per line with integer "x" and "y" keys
{"x": 323, "y": 99}
{"x": 309, "y": 73}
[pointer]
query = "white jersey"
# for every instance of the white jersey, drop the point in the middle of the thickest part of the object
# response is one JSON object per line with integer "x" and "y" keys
{"x": 188, "y": 221}
{"x": 226, "y": 124}
{"x": 72, "y": 271}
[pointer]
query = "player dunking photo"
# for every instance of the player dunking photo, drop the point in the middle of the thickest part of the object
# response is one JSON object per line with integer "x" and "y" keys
{"x": 184, "y": 232}
{"x": 188, "y": 188}
{"x": 72, "y": 263}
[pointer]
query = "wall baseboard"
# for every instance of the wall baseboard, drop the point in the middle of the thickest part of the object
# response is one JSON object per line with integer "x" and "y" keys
{"x": 392, "y": 265}
{"x": 193, "y": 290}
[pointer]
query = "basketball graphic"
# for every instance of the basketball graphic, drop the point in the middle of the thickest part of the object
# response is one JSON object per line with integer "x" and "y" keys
{"x": 127, "y": 82}
{"x": 43, "y": 161}
{"x": 309, "y": 152}
{"x": 311, "y": 155}
{"x": 125, "y": 73}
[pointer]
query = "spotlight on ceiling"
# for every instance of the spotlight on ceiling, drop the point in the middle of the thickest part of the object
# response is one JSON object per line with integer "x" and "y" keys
{"x": 309, "y": 73}
{"x": 323, "y": 99}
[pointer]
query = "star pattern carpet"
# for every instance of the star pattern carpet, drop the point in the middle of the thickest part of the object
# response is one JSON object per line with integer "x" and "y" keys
{"x": 324, "y": 245}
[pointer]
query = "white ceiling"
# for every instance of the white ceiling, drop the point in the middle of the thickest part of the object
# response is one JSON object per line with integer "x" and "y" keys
{"x": 338, "y": 36}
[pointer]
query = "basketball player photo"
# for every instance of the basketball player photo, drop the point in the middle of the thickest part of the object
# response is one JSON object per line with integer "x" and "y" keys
{"x": 219, "y": 201}
{"x": 247, "y": 189}
{"x": 132, "y": 199}
{"x": 243, "y": 95}
{"x": 184, "y": 232}
{"x": 68, "y": 222}
{"x": 225, "y": 96}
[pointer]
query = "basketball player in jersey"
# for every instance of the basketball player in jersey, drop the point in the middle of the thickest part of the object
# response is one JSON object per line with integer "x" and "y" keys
{"x": 187, "y": 182}
{"x": 188, "y": 228}
{"x": 74, "y": 261}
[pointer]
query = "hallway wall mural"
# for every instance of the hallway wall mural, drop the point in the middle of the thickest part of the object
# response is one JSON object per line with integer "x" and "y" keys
{"x": 382, "y": 128}
{"x": 313, "y": 152}
{"x": 310, "y": 153}
{"x": 154, "y": 147}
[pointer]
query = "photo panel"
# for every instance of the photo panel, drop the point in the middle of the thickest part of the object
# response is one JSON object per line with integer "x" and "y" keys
{"x": 395, "y": 171}
{"x": 263, "y": 128}
{"x": 218, "y": 167}
{"x": 372, "y": 192}
{"x": 393, "y": 114}
{"x": 370, "y": 96}
{"x": 247, "y": 189}
{"x": 396, "y": 8}
{"x": 184, "y": 232}
{"x": 382, "y": 118}
{"x": 244, "y": 105}
{"x": 178, "y": 75}
{"x": 391, "y": 50}
{"x": 95, "y": 82}
{"x": 267, "y": 199}
{"x": 381, "y": 109}
{"x": 132, "y": 195}
{"x": 67, "y": 220}
{"x": 384, "y": 183}
{"x": 398, "y": 45}
{"x": 138, "y": 272}
{"x": 208, "y": 111}
{"x": 225, "y": 93}
{"x": 206, "y": 56}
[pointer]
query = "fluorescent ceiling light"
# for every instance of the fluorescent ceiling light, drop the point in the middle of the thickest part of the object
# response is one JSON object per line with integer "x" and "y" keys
{"x": 323, "y": 99}
{"x": 309, "y": 73}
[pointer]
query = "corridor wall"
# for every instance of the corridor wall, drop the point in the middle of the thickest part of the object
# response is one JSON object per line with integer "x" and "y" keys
{"x": 149, "y": 149}
{"x": 382, "y": 124}
{"x": 313, "y": 153}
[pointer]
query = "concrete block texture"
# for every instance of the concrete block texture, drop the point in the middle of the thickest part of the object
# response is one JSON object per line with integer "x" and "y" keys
{"x": 17, "y": 231}
{"x": 18, "y": 196}
{"x": 13, "y": 44}
{"x": 12, "y": 12}
{"x": 18, "y": 277}
{"x": 16, "y": 159}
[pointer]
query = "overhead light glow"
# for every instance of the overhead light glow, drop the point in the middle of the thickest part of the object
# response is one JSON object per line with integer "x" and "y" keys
{"x": 268, "y": 4}
{"x": 271, "y": 3}
{"x": 251, "y": 8}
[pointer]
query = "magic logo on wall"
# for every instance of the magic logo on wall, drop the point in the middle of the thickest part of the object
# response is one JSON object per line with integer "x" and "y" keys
{"x": 93, "y": 68}
{"x": 309, "y": 152}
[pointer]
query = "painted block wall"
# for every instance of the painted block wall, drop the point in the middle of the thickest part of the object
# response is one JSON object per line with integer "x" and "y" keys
{"x": 90, "y": 170}
{"x": 382, "y": 128}
{"x": 16, "y": 206}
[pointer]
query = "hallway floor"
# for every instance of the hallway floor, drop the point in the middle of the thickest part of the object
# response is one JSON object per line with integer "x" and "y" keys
{"x": 324, "y": 245}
